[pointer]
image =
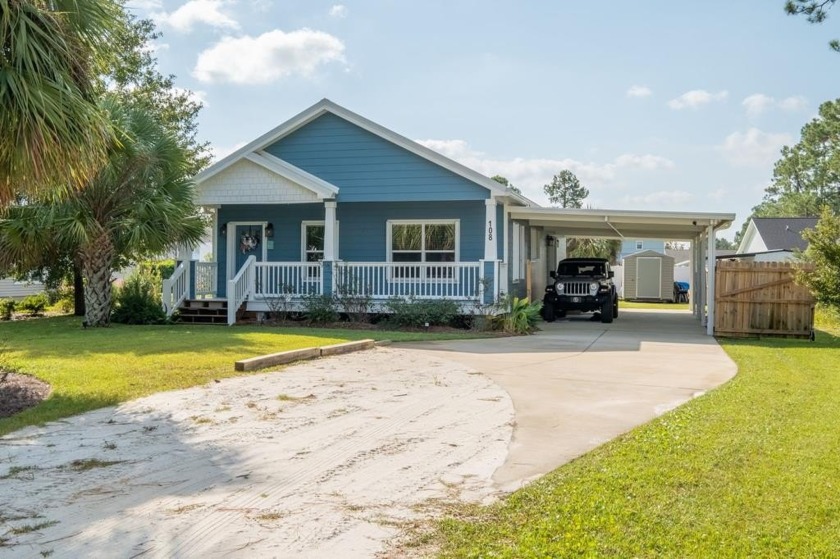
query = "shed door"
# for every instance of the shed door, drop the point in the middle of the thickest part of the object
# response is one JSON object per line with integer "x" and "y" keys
{"x": 648, "y": 277}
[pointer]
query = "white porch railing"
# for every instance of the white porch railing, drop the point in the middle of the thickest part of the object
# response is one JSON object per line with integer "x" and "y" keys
{"x": 206, "y": 274}
{"x": 383, "y": 280}
{"x": 175, "y": 289}
{"x": 240, "y": 287}
{"x": 288, "y": 279}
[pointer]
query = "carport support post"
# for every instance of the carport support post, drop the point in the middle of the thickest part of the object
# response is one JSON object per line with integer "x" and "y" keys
{"x": 696, "y": 292}
{"x": 710, "y": 282}
{"x": 701, "y": 301}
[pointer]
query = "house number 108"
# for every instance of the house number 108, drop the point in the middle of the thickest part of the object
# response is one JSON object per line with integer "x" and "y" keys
{"x": 489, "y": 230}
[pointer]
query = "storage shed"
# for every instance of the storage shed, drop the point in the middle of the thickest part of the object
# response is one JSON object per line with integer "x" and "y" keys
{"x": 649, "y": 275}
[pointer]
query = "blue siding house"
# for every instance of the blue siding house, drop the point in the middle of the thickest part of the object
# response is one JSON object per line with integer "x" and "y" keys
{"x": 330, "y": 201}
{"x": 629, "y": 247}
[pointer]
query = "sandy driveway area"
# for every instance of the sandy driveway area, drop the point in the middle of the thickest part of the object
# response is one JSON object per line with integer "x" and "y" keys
{"x": 323, "y": 459}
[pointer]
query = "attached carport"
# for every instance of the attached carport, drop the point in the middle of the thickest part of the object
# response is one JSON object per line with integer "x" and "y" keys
{"x": 694, "y": 227}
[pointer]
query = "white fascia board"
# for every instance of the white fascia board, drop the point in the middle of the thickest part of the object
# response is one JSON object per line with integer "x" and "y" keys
{"x": 719, "y": 220}
{"x": 320, "y": 187}
{"x": 747, "y": 239}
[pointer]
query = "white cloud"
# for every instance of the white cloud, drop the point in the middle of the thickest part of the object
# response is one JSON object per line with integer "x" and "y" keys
{"x": 267, "y": 58}
{"x": 753, "y": 147}
{"x": 146, "y": 5}
{"x": 647, "y": 162}
{"x": 197, "y": 96}
{"x": 531, "y": 174}
{"x": 338, "y": 11}
{"x": 208, "y": 12}
{"x": 794, "y": 103}
{"x": 758, "y": 103}
{"x": 696, "y": 98}
{"x": 660, "y": 199}
{"x": 639, "y": 91}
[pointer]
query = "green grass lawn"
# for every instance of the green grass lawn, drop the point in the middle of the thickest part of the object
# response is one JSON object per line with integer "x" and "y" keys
{"x": 751, "y": 469}
{"x": 98, "y": 367}
{"x": 651, "y": 306}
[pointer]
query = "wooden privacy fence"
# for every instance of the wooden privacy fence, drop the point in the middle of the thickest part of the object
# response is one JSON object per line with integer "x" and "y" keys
{"x": 761, "y": 299}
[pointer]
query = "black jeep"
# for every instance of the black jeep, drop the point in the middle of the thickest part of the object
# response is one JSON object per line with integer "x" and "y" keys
{"x": 581, "y": 284}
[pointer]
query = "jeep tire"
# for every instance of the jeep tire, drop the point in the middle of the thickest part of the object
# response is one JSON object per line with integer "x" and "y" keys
{"x": 548, "y": 312}
{"x": 607, "y": 311}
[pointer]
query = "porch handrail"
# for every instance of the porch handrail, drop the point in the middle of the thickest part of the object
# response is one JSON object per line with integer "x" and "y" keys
{"x": 175, "y": 290}
{"x": 422, "y": 280}
{"x": 289, "y": 279}
{"x": 206, "y": 277}
{"x": 240, "y": 287}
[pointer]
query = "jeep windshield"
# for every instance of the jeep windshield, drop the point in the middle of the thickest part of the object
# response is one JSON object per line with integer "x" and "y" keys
{"x": 588, "y": 269}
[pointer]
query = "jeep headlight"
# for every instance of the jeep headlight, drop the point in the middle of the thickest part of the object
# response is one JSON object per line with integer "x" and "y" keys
{"x": 593, "y": 288}
{"x": 560, "y": 288}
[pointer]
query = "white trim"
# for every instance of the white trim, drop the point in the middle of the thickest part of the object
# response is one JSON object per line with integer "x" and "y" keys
{"x": 491, "y": 230}
{"x": 230, "y": 237}
{"x": 303, "y": 225}
{"x": 295, "y": 174}
{"x": 326, "y": 106}
{"x": 710, "y": 283}
{"x": 389, "y": 241}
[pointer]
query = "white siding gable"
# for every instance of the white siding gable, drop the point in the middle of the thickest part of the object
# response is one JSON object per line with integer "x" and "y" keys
{"x": 245, "y": 182}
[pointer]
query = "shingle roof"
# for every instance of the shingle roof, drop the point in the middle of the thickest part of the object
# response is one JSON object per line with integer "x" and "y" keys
{"x": 784, "y": 232}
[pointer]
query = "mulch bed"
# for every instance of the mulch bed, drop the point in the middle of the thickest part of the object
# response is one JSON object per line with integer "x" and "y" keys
{"x": 19, "y": 392}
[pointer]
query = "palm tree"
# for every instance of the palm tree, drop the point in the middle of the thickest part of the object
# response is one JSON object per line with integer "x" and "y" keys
{"x": 52, "y": 53}
{"x": 139, "y": 204}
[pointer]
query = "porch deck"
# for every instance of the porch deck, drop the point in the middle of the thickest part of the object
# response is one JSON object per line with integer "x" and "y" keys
{"x": 266, "y": 286}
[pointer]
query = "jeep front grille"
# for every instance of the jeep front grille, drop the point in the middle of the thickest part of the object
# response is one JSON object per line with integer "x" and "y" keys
{"x": 576, "y": 287}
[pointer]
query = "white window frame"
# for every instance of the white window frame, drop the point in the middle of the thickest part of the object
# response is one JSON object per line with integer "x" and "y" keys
{"x": 307, "y": 223}
{"x": 640, "y": 245}
{"x": 423, "y": 263}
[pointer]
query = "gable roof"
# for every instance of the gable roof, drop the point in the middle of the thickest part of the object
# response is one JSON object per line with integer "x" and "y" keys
{"x": 783, "y": 233}
{"x": 326, "y": 106}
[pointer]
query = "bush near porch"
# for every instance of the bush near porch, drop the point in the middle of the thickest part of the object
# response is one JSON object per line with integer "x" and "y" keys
{"x": 747, "y": 470}
{"x": 97, "y": 367}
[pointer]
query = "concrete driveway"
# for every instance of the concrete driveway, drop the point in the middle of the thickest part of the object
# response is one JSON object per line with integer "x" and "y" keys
{"x": 579, "y": 383}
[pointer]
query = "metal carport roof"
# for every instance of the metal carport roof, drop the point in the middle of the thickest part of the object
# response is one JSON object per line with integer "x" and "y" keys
{"x": 695, "y": 227}
{"x": 618, "y": 224}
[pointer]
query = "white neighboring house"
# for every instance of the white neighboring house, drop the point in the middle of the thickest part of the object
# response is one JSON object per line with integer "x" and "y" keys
{"x": 774, "y": 239}
{"x": 12, "y": 289}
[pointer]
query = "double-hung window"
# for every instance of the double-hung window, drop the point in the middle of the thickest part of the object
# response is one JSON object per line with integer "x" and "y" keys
{"x": 432, "y": 244}
{"x": 312, "y": 244}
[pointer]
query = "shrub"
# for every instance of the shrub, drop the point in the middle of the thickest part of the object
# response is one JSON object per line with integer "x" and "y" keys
{"x": 418, "y": 313}
{"x": 160, "y": 268}
{"x": 522, "y": 316}
{"x": 138, "y": 300}
{"x": 7, "y": 308}
{"x": 354, "y": 300}
{"x": 61, "y": 298}
{"x": 280, "y": 304}
{"x": 319, "y": 308}
{"x": 33, "y": 305}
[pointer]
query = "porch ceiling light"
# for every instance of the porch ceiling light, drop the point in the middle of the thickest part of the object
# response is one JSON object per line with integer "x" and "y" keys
{"x": 223, "y": 229}
{"x": 269, "y": 231}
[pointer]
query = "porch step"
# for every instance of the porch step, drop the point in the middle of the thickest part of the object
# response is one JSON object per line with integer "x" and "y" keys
{"x": 203, "y": 311}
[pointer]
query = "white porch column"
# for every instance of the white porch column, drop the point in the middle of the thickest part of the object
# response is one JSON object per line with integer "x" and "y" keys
{"x": 329, "y": 230}
{"x": 702, "y": 283}
{"x": 710, "y": 283}
{"x": 491, "y": 230}
{"x": 695, "y": 277}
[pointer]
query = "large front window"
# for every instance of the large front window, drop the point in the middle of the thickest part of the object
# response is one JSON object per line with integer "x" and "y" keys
{"x": 433, "y": 242}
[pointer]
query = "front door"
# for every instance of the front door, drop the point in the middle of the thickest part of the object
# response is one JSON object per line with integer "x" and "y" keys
{"x": 247, "y": 241}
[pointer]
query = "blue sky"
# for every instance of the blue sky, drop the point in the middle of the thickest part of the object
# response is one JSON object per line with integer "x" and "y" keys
{"x": 653, "y": 104}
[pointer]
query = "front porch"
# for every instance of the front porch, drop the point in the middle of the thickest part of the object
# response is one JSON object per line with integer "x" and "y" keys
{"x": 268, "y": 286}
